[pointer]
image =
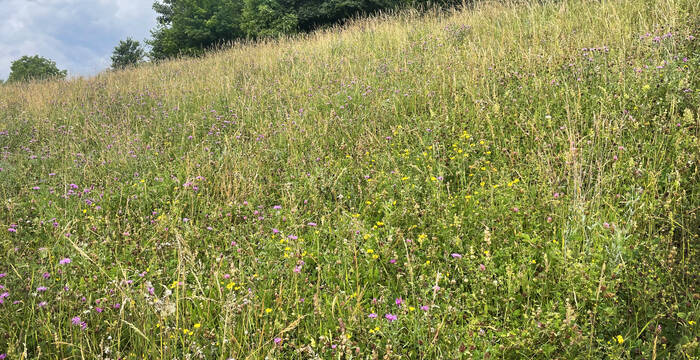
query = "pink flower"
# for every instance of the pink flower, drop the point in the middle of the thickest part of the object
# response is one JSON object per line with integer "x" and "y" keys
{"x": 482, "y": 267}
{"x": 457, "y": 256}
{"x": 64, "y": 261}
{"x": 278, "y": 340}
{"x": 390, "y": 317}
{"x": 399, "y": 301}
{"x": 372, "y": 316}
{"x": 425, "y": 308}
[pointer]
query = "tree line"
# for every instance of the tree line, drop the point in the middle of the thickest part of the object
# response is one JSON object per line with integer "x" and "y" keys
{"x": 191, "y": 27}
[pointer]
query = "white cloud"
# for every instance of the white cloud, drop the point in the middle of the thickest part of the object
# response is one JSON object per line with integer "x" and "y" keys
{"x": 79, "y": 35}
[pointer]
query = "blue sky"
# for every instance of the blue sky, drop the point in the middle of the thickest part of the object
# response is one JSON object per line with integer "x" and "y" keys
{"x": 79, "y": 35}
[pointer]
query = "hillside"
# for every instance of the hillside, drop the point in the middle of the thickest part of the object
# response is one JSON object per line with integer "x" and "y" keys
{"x": 505, "y": 181}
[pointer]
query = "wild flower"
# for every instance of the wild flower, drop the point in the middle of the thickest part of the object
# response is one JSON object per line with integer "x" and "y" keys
{"x": 64, "y": 261}
{"x": 391, "y": 317}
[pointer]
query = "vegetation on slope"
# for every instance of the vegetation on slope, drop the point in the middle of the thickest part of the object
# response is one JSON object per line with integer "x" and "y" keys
{"x": 506, "y": 181}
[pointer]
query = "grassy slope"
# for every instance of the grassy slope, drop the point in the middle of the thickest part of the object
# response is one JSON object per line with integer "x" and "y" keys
{"x": 539, "y": 144}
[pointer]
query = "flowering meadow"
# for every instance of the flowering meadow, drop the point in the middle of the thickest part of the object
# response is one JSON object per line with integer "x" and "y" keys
{"x": 504, "y": 181}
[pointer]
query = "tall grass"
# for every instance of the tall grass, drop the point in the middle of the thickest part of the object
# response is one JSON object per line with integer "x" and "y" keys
{"x": 506, "y": 181}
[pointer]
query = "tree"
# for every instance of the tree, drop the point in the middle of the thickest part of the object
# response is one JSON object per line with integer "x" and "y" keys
{"x": 129, "y": 52}
{"x": 188, "y": 27}
{"x": 34, "y": 68}
{"x": 267, "y": 18}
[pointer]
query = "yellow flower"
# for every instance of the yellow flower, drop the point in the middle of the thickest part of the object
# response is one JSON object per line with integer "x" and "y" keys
{"x": 619, "y": 339}
{"x": 370, "y": 251}
{"x": 197, "y": 325}
{"x": 411, "y": 308}
{"x": 230, "y": 285}
{"x": 268, "y": 310}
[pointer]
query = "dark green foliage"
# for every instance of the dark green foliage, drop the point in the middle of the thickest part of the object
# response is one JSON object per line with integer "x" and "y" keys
{"x": 189, "y": 27}
{"x": 265, "y": 18}
{"x": 34, "y": 68}
{"x": 128, "y": 53}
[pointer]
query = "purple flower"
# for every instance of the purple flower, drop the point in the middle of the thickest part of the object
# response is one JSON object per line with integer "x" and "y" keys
{"x": 390, "y": 317}
{"x": 392, "y": 261}
{"x": 42, "y": 304}
{"x": 292, "y": 237}
{"x": 311, "y": 224}
{"x": 425, "y": 308}
{"x": 64, "y": 261}
{"x": 36, "y": 188}
{"x": 277, "y": 207}
{"x": 2, "y": 356}
{"x": 399, "y": 301}
{"x": 98, "y": 309}
{"x": 41, "y": 289}
{"x": 278, "y": 340}
{"x": 456, "y": 255}
{"x": 76, "y": 320}
{"x": 2, "y": 275}
{"x": 12, "y": 230}
{"x": 372, "y": 316}
{"x": 46, "y": 275}
{"x": 482, "y": 267}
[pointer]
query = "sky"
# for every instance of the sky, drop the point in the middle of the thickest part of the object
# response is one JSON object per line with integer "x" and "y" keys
{"x": 79, "y": 35}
